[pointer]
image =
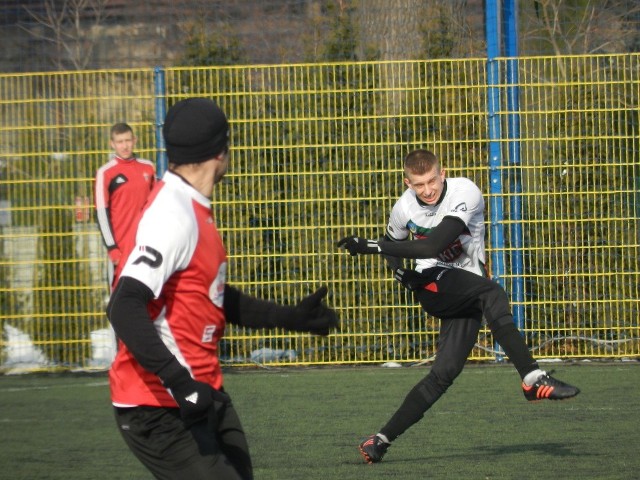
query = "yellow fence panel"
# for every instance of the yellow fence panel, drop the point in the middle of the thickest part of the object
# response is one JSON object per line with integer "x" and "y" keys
{"x": 55, "y": 134}
{"x": 316, "y": 155}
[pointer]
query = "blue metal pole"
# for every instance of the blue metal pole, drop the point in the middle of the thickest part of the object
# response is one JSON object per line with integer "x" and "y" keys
{"x": 160, "y": 93}
{"x": 510, "y": 33}
{"x": 495, "y": 154}
{"x": 492, "y": 31}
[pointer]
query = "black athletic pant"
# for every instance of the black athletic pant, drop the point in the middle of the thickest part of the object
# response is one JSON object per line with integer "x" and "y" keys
{"x": 159, "y": 439}
{"x": 461, "y": 300}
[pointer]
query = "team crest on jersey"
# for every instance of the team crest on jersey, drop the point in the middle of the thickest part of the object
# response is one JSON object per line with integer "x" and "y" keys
{"x": 461, "y": 207}
{"x": 207, "y": 335}
{"x": 416, "y": 230}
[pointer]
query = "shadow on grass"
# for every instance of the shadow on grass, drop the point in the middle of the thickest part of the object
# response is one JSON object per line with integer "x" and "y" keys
{"x": 554, "y": 449}
{"x": 482, "y": 452}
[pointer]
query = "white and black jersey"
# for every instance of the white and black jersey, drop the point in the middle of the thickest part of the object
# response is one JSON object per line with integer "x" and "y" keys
{"x": 462, "y": 199}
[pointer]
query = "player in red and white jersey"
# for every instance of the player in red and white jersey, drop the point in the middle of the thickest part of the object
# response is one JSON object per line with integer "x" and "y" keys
{"x": 439, "y": 223}
{"x": 176, "y": 233}
{"x": 170, "y": 307}
{"x": 121, "y": 189}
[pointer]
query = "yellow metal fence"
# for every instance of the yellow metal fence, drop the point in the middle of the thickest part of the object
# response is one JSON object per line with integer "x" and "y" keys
{"x": 316, "y": 154}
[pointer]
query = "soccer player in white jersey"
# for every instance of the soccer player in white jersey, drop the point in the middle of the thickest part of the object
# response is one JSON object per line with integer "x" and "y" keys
{"x": 170, "y": 307}
{"x": 439, "y": 223}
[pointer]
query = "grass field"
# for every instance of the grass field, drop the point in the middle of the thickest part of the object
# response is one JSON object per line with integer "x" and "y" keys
{"x": 305, "y": 425}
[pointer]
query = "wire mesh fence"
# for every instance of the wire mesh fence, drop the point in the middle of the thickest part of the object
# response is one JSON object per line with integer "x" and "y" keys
{"x": 316, "y": 155}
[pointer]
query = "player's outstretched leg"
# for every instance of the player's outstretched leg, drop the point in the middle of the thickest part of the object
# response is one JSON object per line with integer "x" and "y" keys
{"x": 547, "y": 387}
{"x": 373, "y": 449}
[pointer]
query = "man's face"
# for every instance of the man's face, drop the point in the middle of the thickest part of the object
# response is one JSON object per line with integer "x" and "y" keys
{"x": 428, "y": 187}
{"x": 123, "y": 144}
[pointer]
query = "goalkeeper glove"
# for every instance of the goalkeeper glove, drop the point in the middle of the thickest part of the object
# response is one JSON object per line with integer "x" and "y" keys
{"x": 410, "y": 279}
{"x": 358, "y": 245}
{"x": 196, "y": 400}
{"x": 309, "y": 315}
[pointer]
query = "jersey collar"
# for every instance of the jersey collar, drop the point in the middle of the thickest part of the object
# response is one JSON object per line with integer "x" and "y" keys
{"x": 124, "y": 160}
{"x": 180, "y": 182}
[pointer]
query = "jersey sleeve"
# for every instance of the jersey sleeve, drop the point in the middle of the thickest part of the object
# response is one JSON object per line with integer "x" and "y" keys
{"x": 164, "y": 244}
{"x": 397, "y": 227}
{"x": 102, "y": 201}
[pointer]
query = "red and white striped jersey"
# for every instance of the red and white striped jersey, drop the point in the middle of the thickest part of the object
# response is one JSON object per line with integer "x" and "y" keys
{"x": 178, "y": 253}
{"x": 121, "y": 188}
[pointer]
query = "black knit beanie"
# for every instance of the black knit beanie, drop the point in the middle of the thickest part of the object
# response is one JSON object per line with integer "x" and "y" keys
{"x": 195, "y": 130}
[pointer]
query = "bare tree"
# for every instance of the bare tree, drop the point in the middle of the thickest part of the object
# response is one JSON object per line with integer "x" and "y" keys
{"x": 416, "y": 29}
{"x": 69, "y": 26}
{"x": 571, "y": 27}
{"x": 391, "y": 27}
{"x": 411, "y": 30}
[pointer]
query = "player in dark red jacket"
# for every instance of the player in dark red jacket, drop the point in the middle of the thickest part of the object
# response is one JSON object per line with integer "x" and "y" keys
{"x": 121, "y": 188}
{"x": 170, "y": 307}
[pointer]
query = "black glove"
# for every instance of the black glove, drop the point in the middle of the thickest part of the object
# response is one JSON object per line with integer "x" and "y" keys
{"x": 410, "y": 279}
{"x": 309, "y": 315}
{"x": 197, "y": 400}
{"x": 358, "y": 245}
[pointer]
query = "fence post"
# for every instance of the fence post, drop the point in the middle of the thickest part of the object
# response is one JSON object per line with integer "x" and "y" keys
{"x": 510, "y": 34}
{"x": 160, "y": 93}
{"x": 492, "y": 27}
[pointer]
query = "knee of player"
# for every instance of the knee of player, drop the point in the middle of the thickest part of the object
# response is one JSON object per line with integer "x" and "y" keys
{"x": 444, "y": 375}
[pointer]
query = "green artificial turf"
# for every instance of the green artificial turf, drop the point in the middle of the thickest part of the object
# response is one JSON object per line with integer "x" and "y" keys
{"x": 305, "y": 424}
